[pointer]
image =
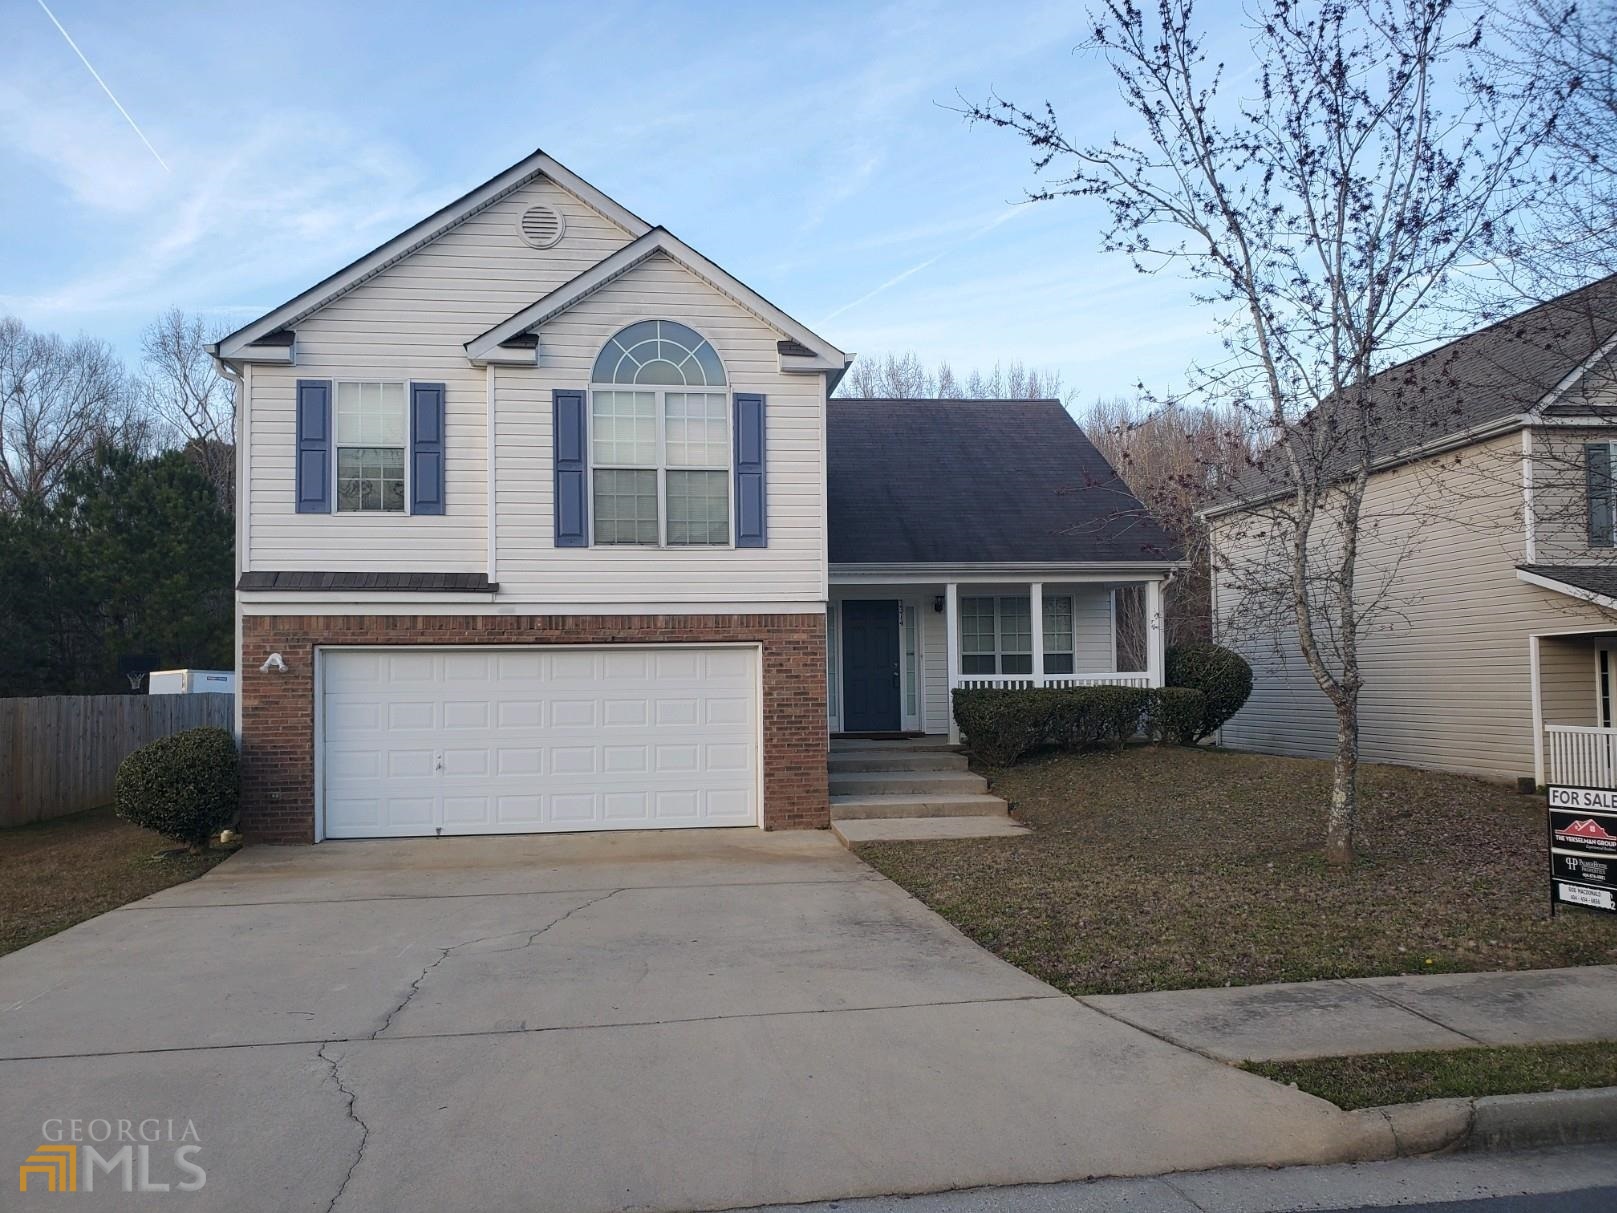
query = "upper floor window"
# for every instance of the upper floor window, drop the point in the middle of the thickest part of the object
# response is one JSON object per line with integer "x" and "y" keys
{"x": 1601, "y": 499}
{"x": 659, "y": 352}
{"x": 372, "y": 431}
{"x": 659, "y": 451}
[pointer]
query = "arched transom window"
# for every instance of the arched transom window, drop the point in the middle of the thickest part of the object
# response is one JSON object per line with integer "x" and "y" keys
{"x": 659, "y": 440}
{"x": 661, "y": 353}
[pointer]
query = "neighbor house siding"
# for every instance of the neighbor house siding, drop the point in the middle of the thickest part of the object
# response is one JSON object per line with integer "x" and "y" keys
{"x": 790, "y": 569}
{"x": 411, "y": 322}
{"x": 1560, "y": 497}
{"x": 1445, "y": 665}
{"x": 1568, "y": 677}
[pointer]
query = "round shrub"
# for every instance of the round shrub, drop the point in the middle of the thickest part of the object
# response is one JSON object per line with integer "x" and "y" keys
{"x": 1218, "y": 673}
{"x": 1177, "y": 714}
{"x": 183, "y": 786}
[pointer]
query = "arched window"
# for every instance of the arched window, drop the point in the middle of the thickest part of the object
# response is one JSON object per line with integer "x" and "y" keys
{"x": 659, "y": 439}
{"x": 661, "y": 353}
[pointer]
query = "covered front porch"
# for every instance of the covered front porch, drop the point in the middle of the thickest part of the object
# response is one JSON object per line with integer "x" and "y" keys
{"x": 1574, "y": 676}
{"x": 897, "y": 648}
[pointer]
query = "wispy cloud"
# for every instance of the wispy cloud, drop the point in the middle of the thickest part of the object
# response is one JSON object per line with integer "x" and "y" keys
{"x": 89, "y": 67}
{"x": 1003, "y": 217}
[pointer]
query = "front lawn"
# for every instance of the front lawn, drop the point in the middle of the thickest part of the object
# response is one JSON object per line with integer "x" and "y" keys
{"x": 1162, "y": 868}
{"x": 56, "y": 873}
{"x": 1384, "y": 1078}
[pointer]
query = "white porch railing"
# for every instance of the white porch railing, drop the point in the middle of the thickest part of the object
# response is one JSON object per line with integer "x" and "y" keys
{"x": 1021, "y": 682}
{"x": 1580, "y": 754}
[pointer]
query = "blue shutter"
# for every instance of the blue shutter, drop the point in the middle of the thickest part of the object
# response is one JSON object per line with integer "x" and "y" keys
{"x": 314, "y": 446}
{"x": 570, "y": 431}
{"x": 426, "y": 448}
{"x": 1597, "y": 475}
{"x": 752, "y": 529}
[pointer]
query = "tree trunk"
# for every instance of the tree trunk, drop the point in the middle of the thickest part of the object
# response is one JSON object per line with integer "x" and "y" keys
{"x": 1341, "y": 827}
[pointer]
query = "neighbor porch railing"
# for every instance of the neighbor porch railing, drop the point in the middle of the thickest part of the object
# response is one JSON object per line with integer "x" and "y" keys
{"x": 1580, "y": 754}
{"x": 979, "y": 682}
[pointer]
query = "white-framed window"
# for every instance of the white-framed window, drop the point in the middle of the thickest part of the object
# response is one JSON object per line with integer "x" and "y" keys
{"x": 996, "y": 635}
{"x": 1058, "y": 634}
{"x": 912, "y": 690}
{"x": 372, "y": 434}
{"x": 660, "y": 440}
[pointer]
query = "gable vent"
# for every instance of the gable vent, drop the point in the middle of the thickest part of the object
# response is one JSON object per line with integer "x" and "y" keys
{"x": 542, "y": 227}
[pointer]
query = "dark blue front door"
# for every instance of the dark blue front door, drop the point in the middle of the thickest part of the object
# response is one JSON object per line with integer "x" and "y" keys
{"x": 870, "y": 666}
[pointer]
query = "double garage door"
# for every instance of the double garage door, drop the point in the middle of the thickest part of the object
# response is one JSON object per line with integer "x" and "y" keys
{"x": 486, "y": 741}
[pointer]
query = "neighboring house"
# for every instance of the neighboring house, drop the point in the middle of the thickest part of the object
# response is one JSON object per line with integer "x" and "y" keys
{"x": 537, "y": 532}
{"x": 1490, "y": 547}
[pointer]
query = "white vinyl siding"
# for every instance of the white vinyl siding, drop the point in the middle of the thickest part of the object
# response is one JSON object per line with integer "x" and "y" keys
{"x": 1446, "y": 676}
{"x": 411, "y": 322}
{"x": 790, "y": 569}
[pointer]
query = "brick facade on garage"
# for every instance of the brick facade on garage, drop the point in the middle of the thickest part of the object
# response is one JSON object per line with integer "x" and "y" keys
{"x": 277, "y": 709}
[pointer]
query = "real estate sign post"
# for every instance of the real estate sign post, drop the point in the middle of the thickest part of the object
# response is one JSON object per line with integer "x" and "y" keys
{"x": 1583, "y": 848}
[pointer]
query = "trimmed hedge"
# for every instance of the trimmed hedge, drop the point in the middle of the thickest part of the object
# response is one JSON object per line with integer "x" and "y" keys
{"x": 1002, "y": 726}
{"x": 184, "y": 785}
{"x": 1221, "y": 675}
{"x": 1177, "y": 714}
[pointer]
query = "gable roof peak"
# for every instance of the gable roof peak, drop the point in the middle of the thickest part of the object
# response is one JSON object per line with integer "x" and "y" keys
{"x": 532, "y": 166}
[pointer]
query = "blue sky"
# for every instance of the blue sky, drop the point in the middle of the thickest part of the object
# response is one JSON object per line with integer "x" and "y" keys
{"x": 809, "y": 150}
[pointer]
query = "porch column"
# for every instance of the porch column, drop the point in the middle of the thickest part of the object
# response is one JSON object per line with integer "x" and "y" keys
{"x": 951, "y": 632}
{"x": 1155, "y": 634}
{"x": 1035, "y": 610}
{"x": 1535, "y": 690}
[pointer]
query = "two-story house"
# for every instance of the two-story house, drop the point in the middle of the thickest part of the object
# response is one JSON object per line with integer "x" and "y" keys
{"x": 547, "y": 522}
{"x": 1486, "y": 562}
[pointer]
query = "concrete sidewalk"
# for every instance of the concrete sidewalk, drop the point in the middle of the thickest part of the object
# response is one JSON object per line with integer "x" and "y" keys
{"x": 1297, "y": 1020}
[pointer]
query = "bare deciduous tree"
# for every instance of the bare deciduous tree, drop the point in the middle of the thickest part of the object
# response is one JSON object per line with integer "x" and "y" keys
{"x": 184, "y": 392}
{"x": 906, "y": 377}
{"x": 1322, "y": 213}
{"x": 59, "y": 399}
{"x": 1176, "y": 460}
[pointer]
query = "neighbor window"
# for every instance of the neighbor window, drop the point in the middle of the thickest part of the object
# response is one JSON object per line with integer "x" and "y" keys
{"x": 659, "y": 442}
{"x": 1601, "y": 492}
{"x": 372, "y": 432}
{"x": 996, "y": 635}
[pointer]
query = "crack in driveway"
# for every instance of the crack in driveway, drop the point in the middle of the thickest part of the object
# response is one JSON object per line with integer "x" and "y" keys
{"x": 364, "y": 1129}
{"x": 445, "y": 953}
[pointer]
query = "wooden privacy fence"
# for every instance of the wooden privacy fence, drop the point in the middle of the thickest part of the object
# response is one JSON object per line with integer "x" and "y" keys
{"x": 60, "y": 753}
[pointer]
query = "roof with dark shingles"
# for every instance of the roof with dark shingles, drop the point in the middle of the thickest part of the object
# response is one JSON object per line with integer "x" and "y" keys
{"x": 1597, "y": 579}
{"x": 1494, "y": 373}
{"x": 977, "y": 481}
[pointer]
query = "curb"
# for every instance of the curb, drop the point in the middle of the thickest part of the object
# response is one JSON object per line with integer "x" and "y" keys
{"x": 1491, "y": 1122}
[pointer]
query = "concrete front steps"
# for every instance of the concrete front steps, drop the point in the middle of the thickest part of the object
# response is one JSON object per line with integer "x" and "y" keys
{"x": 913, "y": 788}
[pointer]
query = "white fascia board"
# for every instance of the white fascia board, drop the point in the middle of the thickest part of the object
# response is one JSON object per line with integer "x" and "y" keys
{"x": 429, "y": 229}
{"x": 500, "y": 356}
{"x": 922, "y": 574}
{"x": 657, "y": 240}
{"x": 269, "y": 603}
{"x": 1571, "y": 591}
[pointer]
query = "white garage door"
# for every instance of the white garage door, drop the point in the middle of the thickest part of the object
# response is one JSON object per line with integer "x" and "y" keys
{"x": 487, "y": 741}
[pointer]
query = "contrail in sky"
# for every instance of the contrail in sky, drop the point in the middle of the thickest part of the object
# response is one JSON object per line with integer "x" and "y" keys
{"x": 132, "y": 124}
{"x": 1002, "y": 217}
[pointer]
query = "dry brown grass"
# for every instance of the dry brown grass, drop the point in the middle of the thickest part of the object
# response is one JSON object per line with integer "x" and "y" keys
{"x": 61, "y": 872}
{"x": 1168, "y": 868}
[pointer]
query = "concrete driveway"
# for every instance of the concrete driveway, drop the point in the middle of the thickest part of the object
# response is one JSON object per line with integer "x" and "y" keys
{"x": 683, "y": 1020}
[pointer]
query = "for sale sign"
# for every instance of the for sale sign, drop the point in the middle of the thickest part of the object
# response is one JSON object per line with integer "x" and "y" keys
{"x": 1583, "y": 847}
